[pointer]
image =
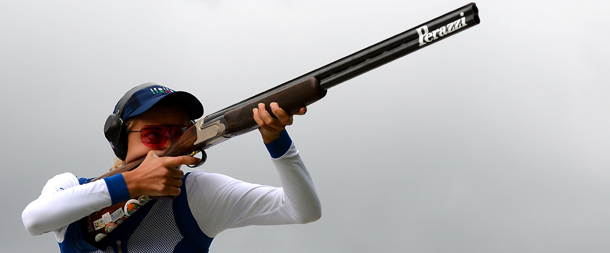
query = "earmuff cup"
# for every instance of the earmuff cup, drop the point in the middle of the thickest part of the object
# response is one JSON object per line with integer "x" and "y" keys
{"x": 113, "y": 130}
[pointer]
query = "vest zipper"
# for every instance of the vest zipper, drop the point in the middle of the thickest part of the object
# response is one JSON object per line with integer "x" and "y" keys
{"x": 118, "y": 245}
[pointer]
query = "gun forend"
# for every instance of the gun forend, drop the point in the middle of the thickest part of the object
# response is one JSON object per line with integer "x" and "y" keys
{"x": 239, "y": 120}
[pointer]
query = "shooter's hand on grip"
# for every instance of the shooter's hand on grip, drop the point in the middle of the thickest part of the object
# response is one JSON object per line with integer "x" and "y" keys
{"x": 157, "y": 175}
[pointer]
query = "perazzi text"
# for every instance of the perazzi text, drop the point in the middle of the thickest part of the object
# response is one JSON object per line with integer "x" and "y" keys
{"x": 426, "y": 37}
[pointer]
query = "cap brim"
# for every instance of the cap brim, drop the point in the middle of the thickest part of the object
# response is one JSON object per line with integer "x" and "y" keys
{"x": 191, "y": 104}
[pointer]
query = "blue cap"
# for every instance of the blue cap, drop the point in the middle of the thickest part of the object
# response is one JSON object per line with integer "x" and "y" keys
{"x": 147, "y": 95}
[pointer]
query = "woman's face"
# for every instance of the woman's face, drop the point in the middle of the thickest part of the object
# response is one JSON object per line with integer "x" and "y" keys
{"x": 174, "y": 115}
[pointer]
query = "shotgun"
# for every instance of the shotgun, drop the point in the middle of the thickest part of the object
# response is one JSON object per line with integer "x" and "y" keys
{"x": 292, "y": 95}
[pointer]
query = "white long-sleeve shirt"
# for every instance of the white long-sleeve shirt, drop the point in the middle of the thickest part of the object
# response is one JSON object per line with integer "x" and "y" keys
{"x": 216, "y": 202}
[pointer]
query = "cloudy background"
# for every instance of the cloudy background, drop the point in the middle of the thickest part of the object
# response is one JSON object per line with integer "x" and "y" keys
{"x": 494, "y": 140}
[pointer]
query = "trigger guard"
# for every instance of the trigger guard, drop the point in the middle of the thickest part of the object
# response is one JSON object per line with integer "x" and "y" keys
{"x": 204, "y": 157}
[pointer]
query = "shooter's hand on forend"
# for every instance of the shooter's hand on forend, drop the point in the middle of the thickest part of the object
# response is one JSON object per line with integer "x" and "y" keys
{"x": 270, "y": 127}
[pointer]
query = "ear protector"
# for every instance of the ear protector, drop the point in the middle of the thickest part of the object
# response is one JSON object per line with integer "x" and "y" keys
{"x": 115, "y": 129}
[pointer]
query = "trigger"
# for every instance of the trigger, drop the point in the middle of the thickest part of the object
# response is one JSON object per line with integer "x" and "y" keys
{"x": 203, "y": 158}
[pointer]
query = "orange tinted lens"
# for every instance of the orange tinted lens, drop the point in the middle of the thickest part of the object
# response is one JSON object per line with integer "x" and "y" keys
{"x": 154, "y": 136}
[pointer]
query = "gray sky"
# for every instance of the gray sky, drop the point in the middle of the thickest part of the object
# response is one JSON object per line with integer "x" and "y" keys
{"x": 494, "y": 140}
